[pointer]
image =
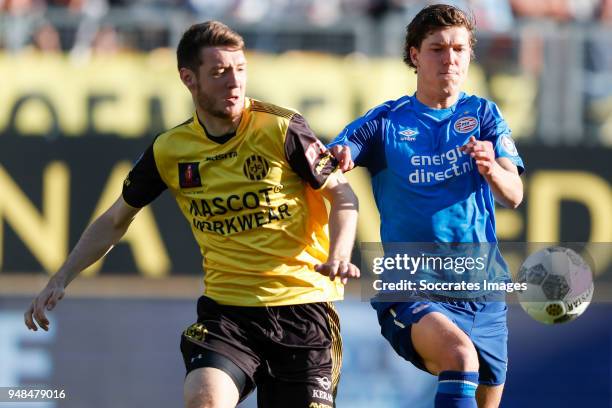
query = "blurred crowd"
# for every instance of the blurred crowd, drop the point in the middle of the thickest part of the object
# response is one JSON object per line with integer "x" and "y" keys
{"x": 489, "y": 13}
{"x": 88, "y": 27}
{"x": 558, "y": 38}
{"x": 27, "y": 20}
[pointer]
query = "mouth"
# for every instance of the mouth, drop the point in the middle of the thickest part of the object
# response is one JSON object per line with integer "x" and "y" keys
{"x": 232, "y": 99}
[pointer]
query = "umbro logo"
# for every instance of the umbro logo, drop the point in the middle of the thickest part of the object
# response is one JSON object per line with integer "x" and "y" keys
{"x": 408, "y": 135}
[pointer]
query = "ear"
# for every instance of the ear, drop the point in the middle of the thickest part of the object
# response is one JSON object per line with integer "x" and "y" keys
{"x": 188, "y": 77}
{"x": 414, "y": 56}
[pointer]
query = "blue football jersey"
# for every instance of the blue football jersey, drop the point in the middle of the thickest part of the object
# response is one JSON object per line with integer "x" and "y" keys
{"x": 425, "y": 188}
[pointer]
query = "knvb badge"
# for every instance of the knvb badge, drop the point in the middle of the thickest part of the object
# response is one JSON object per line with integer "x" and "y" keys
{"x": 189, "y": 175}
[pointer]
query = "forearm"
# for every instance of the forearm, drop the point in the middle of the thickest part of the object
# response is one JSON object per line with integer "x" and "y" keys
{"x": 97, "y": 240}
{"x": 507, "y": 186}
{"x": 343, "y": 225}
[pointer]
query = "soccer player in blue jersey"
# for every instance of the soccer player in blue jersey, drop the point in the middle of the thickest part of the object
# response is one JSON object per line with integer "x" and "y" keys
{"x": 439, "y": 159}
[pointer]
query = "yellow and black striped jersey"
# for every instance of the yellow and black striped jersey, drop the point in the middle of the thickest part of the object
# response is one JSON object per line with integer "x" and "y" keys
{"x": 251, "y": 201}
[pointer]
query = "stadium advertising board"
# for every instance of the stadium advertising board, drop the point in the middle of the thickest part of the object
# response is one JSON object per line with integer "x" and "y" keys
{"x": 136, "y": 95}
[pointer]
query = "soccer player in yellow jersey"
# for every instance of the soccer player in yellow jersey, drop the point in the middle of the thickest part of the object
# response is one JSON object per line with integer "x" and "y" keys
{"x": 250, "y": 178}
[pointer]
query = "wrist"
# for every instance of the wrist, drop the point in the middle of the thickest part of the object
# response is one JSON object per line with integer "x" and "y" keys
{"x": 494, "y": 173}
{"x": 60, "y": 279}
{"x": 338, "y": 258}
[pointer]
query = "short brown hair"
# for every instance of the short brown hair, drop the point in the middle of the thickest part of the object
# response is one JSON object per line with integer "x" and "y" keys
{"x": 432, "y": 18}
{"x": 207, "y": 34}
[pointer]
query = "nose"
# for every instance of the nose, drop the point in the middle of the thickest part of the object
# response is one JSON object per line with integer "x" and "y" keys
{"x": 448, "y": 56}
{"x": 233, "y": 79}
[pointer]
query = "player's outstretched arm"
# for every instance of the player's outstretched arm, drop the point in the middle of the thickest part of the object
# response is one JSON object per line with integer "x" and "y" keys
{"x": 342, "y": 228}
{"x": 501, "y": 174}
{"x": 96, "y": 241}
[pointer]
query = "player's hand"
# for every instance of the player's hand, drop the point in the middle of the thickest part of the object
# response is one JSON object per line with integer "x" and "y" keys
{"x": 482, "y": 153}
{"x": 343, "y": 155}
{"x": 341, "y": 269}
{"x": 46, "y": 299}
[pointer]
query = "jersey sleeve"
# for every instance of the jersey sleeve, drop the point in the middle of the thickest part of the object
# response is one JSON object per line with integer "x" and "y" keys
{"x": 143, "y": 184}
{"x": 495, "y": 129}
{"x": 364, "y": 137}
{"x": 306, "y": 155}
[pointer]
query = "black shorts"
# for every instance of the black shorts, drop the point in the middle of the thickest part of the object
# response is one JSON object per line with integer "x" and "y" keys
{"x": 292, "y": 354}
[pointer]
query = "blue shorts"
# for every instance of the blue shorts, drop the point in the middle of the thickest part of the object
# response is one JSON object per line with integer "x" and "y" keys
{"x": 483, "y": 322}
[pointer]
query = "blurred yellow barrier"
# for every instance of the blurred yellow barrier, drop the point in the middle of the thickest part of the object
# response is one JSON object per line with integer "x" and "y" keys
{"x": 134, "y": 95}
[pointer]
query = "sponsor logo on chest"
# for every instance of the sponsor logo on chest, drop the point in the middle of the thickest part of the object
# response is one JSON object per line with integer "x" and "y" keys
{"x": 408, "y": 135}
{"x": 189, "y": 175}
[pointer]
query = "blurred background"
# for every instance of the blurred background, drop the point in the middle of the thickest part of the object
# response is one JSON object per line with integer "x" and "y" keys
{"x": 85, "y": 85}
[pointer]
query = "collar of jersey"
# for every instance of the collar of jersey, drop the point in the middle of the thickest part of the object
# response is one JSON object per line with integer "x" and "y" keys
{"x": 223, "y": 138}
{"x": 436, "y": 114}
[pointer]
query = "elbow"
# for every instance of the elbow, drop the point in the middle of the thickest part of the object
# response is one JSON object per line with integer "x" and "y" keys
{"x": 513, "y": 205}
{"x": 344, "y": 198}
{"x": 515, "y": 196}
{"x": 514, "y": 202}
{"x": 347, "y": 203}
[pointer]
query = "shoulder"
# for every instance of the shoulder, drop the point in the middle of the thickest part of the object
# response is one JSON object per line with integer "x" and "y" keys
{"x": 173, "y": 141}
{"x": 172, "y": 133}
{"x": 482, "y": 106}
{"x": 378, "y": 113}
{"x": 259, "y": 107}
{"x": 386, "y": 108}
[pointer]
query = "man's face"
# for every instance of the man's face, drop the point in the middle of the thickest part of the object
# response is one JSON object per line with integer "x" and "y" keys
{"x": 443, "y": 60}
{"x": 220, "y": 84}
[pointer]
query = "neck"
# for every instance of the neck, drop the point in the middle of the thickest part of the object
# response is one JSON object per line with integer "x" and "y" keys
{"x": 436, "y": 100}
{"x": 218, "y": 126}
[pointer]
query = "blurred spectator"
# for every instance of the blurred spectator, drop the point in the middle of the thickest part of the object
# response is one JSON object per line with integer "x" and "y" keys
{"x": 605, "y": 12}
{"x": 72, "y": 5}
{"x": 490, "y": 15}
{"x": 375, "y": 9}
{"x": 76, "y": 6}
{"x": 16, "y": 30}
{"x": 208, "y": 9}
{"x": 106, "y": 42}
{"x": 554, "y": 9}
{"x": 558, "y": 10}
{"x": 599, "y": 49}
{"x": 324, "y": 12}
{"x": 22, "y": 7}
{"x": 92, "y": 12}
{"x": 46, "y": 39}
{"x": 251, "y": 11}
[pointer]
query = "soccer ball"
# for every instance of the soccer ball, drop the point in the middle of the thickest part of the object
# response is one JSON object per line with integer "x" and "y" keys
{"x": 559, "y": 285}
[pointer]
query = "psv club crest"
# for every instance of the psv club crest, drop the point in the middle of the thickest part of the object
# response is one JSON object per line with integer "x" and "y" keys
{"x": 466, "y": 124}
{"x": 256, "y": 167}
